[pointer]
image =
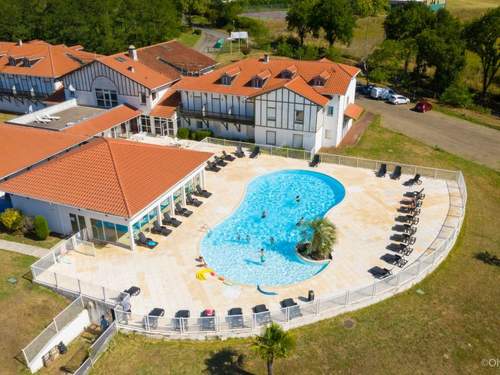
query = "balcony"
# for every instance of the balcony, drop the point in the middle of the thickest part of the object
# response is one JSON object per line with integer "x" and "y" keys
{"x": 21, "y": 94}
{"x": 216, "y": 116}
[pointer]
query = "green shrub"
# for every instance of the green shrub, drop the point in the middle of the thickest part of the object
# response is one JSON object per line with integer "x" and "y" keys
{"x": 183, "y": 133}
{"x": 28, "y": 225}
{"x": 246, "y": 50}
{"x": 41, "y": 228}
{"x": 198, "y": 135}
{"x": 457, "y": 95}
{"x": 11, "y": 219}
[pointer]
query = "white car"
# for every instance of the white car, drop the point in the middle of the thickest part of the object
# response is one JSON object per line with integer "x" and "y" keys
{"x": 398, "y": 99}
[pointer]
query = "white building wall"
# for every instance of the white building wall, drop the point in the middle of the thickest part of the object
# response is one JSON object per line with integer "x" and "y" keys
{"x": 284, "y": 138}
{"x": 19, "y": 105}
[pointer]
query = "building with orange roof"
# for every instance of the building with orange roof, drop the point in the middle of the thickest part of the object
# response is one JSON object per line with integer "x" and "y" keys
{"x": 31, "y": 72}
{"x": 273, "y": 101}
{"x": 141, "y": 77}
{"x": 108, "y": 189}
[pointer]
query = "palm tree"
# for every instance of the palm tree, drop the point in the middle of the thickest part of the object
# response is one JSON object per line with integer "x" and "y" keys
{"x": 273, "y": 343}
{"x": 324, "y": 237}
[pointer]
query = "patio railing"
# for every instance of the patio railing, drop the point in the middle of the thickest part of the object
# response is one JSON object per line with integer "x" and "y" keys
{"x": 305, "y": 313}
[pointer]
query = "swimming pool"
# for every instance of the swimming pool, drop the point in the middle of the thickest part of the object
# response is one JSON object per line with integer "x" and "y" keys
{"x": 232, "y": 248}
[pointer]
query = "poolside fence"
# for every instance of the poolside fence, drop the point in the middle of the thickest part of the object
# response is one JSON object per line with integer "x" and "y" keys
{"x": 306, "y": 312}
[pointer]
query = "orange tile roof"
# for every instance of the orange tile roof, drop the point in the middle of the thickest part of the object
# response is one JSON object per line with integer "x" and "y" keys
{"x": 157, "y": 65}
{"x": 167, "y": 105}
{"x": 111, "y": 176}
{"x": 353, "y": 111}
{"x": 21, "y": 146}
{"x": 104, "y": 121}
{"x": 47, "y": 60}
{"x": 340, "y": 76}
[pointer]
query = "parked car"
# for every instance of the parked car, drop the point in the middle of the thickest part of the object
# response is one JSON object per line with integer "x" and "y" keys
{"x": 381, "y": 93}
{"x": 423, "y": 106}
{"x": 398, "y": 99}
{"x": 364, "y": 89}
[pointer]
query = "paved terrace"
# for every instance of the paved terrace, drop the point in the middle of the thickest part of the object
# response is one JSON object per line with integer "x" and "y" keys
{"x": 166, "y": 275}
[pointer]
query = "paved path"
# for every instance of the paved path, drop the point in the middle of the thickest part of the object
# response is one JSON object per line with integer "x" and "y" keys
{"x": 208, "y": 38}
{"x": 21, "y": 248}
{"x": 457, "y": 136}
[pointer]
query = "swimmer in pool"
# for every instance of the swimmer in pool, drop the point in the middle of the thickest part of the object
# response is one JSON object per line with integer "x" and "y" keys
{"x": 262, "y": 256}
{"x": 264, "y": 214}
{"x": 297, "y": 198}
{"x": 300, "y": 222}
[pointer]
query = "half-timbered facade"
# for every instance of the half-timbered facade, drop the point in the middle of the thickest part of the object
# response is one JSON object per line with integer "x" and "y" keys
{"x": 30, "y": 72}
{"x": 281, "y": 102}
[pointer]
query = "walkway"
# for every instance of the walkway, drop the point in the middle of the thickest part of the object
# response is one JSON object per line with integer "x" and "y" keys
{"x": 21, "y": 248}
{"x": 457, "y": 136}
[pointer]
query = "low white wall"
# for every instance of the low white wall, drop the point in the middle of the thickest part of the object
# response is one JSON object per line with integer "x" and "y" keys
{"x": 30, "y": 117}
{"x": 66, "y": 335}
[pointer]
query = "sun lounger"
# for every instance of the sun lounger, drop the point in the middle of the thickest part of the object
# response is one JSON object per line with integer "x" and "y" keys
{"x": 201, "y": 192}
{"x": 227, "y": 157}
{"x": 207, "y": 320}
{"x": 153, "y": 317}
{"x": 255, "y": 152}
{"x": 172, "y": 221}
{"x": 212, "y": 167}
{"x": 158, "y": 229}
{"x": 181, "y": 320}
{"x": 382, "y": 170}
{"x": 219, "y": 161}
{"x": 292, "y": 307}
{"x": 414, "y": 181}
{"x": 145, "y": 241}
{"x": 405, "y": 249}
{"x": 409, "y": 229}
{"x": 420, "y": 195}
{"x": 262, "y": 314}
{"x": 239, "y": 152}
{"x": 133, "y": 291}
{"x": 394, "y": 259}
{"x": 380, "y": 273}
{"x": 396, "y": 174}
{"x": 193, "y": 201}
{"x": 315, "y": 161}
{"x": 407, "y": 239}
{"x": 411, "y": 219}
{"x": 182, "y": 210}
{"x": 235, "y": 318}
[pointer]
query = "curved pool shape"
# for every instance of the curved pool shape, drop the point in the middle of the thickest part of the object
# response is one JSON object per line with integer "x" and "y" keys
{"x": 232, "y": 248}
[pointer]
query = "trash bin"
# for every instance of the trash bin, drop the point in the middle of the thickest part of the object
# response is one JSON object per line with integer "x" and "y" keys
{"x": 310, "y": 296}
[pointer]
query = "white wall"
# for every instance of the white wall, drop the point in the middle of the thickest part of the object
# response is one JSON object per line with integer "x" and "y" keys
{"x": 18, "y": 105}
{"x": 30, "y": 117}
{"x": 66, "y": 335}
{"x": 285, "y": 137}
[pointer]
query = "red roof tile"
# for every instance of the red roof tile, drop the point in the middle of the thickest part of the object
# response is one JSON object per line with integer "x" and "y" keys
{"x": 111, "y": 176}
{"x": 104, "y": 121}
{"x": 167, "y": 105}
{"x": 337, "y": 83}
{"x": 353, "y": 111}
{"x": 21, "y": 146}
{"x": 47, "y": 60}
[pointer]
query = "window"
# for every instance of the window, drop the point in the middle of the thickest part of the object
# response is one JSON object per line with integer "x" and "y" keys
{"x": 257, "y": 82}
{"x": 318, "y": 81}
{"x": 270, "y": 138}
{"x": 106, "y": 98}
{"x": 271, "y": 113}
{"x": 97, "y": 230}
{"x": 298, "y": 141}
{"x": 143, "y": 98}
{"x": 226, "y": 80}
{"x": 145, "y": 124}
{"x": 199, "y": 124}
{"x": 299, "y": 117}
{"x": 329, "y": 134}
{"x": 153, "y": 95}
{"x": 330, "y": 110}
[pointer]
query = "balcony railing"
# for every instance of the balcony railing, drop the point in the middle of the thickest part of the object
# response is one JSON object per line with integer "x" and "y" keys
{"x": 217, "y": 116}
{"x": 23, "y": 94}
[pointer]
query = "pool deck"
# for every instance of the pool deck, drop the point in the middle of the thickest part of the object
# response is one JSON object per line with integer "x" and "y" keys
{"x": 364, "y": 220}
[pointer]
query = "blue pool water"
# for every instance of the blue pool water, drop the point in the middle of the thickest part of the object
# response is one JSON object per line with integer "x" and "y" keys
{"x": 232, "y": 248}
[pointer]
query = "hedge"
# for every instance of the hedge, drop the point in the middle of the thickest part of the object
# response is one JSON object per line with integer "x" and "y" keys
{"x": 41, "y": 228}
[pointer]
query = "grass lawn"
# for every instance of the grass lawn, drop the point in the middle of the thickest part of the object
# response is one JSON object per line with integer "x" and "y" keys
{"x": 46, "y": 244}
{"x": 468, "y": 9}
{"x": 485, "y": 119}
{"x": 188, "y": 38}
{"x": 25, "y": 309}
{"x": 448, "y": 328}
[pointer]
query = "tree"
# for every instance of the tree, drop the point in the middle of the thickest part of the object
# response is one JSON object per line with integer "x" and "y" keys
{"x": 41, "y": 228}
{"x": 385, "y": 62}
{"x": 323, "y": 237}
{"x": 458, "y": 95}
{"x": 298, "y": 17}
{"x": 365, "y": 8}
{"x": 483, "y": 37}
{"x": 11, "y": 219}
{"x": 336, "y": 18}
{"x": 272, "y": 344}
{"x": 192, "y": 7}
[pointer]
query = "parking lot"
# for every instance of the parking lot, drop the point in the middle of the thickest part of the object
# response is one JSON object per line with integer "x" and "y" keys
{"x": 459, "y": 137}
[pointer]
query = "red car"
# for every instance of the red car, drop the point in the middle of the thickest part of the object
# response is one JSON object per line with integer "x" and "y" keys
{"x": 423, "y": 107}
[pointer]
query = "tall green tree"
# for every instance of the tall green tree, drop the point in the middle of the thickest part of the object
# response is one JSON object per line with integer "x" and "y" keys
{"x": 483, "y": 37}
{"x": 274, "y": 343}
{"x": 299, "y": 16}
{"x": 193, "y": 7}
{"x": 365, "y": 8}
{"x": 336, "y": 18}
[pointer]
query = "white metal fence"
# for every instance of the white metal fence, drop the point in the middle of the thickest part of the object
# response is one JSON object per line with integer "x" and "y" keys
{"x": 304, "y": 313}
{"x": 61, "y": 320}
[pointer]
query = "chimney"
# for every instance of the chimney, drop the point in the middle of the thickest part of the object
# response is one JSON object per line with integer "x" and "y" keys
{"x": 266, "y": 58}
{"x": 19, "y": 42}
{"x": 132, "y": 52}
{"x": 131, "y": 69}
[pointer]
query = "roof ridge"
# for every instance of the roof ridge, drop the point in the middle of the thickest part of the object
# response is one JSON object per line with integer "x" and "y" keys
{"x": 115, "y": 169}
{"x": 51, "y": 60}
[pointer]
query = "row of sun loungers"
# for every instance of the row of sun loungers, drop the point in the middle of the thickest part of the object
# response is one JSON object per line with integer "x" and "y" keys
{"x": 159, "y": 229}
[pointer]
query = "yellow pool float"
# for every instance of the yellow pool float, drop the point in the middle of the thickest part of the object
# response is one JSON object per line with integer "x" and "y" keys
{"x": 203, "y": 273}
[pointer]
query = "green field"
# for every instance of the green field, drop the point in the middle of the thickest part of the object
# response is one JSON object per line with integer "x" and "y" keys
{"x": 25, "y": 309}
{"x": 189, "y": 38}
{"x": 448, "y": 327}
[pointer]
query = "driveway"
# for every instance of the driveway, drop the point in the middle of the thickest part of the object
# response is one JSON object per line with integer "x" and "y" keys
{"x": 208, "y": 38}
{"x": 457, "y": 136}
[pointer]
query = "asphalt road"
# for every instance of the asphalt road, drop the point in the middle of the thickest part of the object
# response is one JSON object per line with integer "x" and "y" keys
{"x": 457, "y": 136}
{"x": 208, "y": 38}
